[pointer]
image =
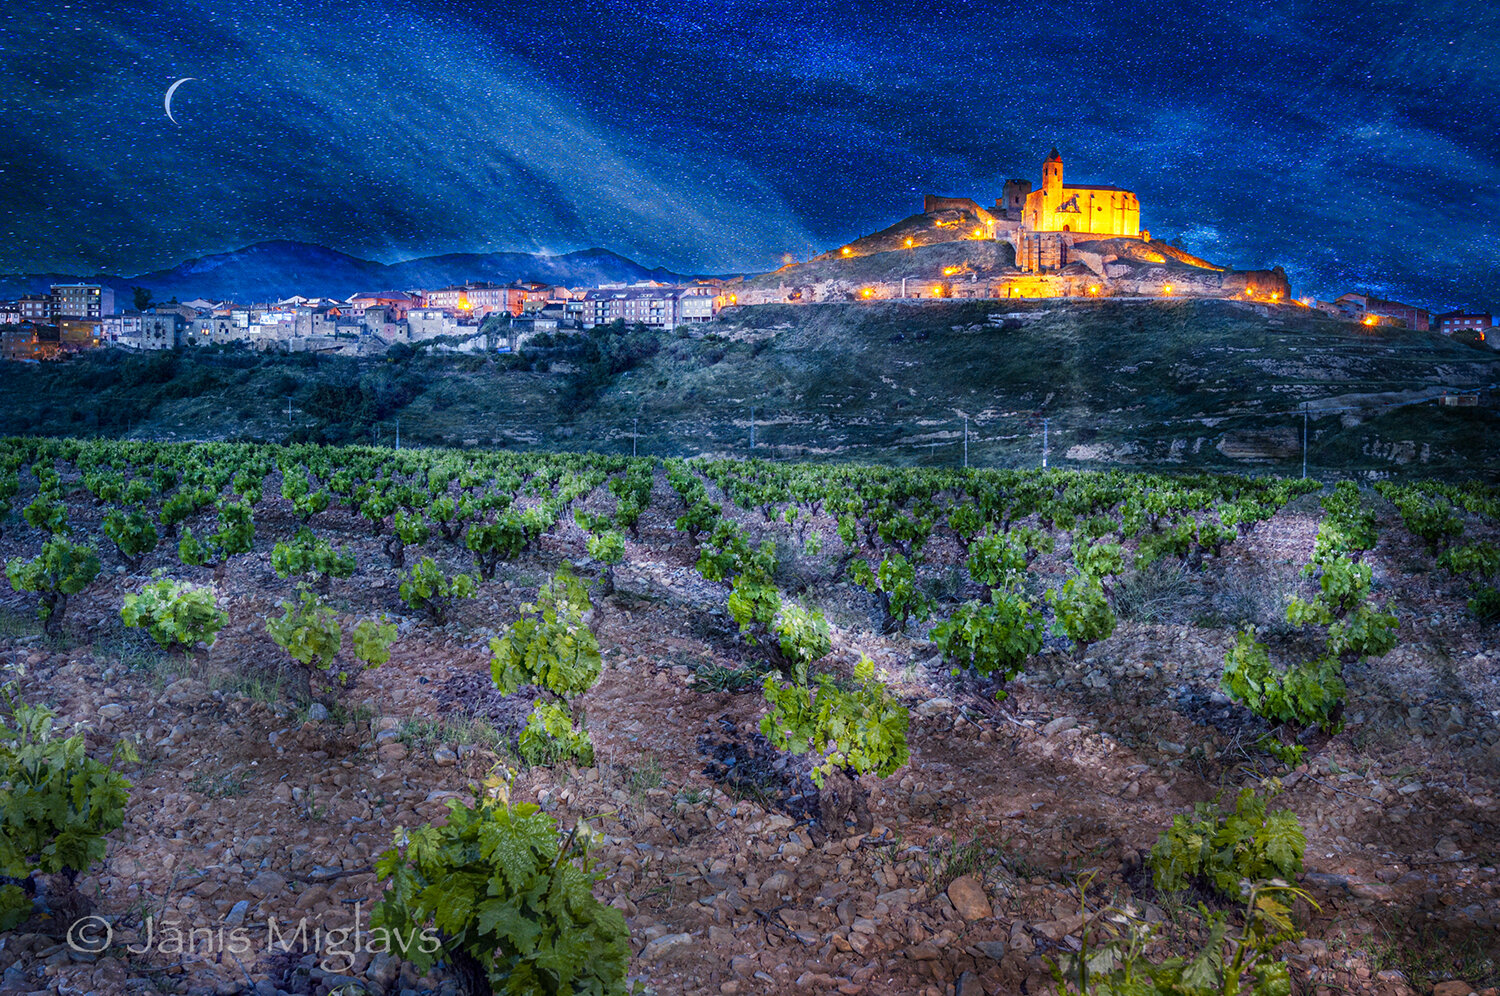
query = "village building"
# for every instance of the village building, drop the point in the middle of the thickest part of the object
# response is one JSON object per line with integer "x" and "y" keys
{"x": 82, "y": 300}
{"x": 1464, "y": 321}
{"x": 1362, "y": 307}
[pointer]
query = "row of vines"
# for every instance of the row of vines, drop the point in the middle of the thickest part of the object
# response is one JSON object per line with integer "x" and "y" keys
{"x": 494, "y": 877}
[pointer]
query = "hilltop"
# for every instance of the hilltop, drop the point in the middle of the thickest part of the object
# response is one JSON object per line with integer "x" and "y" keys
{"x": 1191, "y": 384}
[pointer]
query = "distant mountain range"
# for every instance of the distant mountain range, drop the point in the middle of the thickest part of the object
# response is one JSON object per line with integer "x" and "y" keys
{"x": 280, "y": 268}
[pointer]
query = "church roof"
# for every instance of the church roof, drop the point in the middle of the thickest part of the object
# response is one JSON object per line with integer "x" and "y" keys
{"x": 1054, "y": 157}
{"x": 1096, "y": 186}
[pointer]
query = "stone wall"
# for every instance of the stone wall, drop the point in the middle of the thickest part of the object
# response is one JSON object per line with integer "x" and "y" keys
{"x": 932, "y": 204}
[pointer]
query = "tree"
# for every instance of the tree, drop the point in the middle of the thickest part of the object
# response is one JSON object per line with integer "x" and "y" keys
{"x": 142, "y": 297}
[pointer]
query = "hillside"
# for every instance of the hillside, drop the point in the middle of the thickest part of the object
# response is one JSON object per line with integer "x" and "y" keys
{"x": 1190, "y": 384}
{"x": 280, "y": 268}
{"x": 1196, "y": 383}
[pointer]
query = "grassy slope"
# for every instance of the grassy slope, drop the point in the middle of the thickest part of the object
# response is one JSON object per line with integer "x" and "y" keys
{"x": 881, "y": 382}
{"x": 1119, "y": 381}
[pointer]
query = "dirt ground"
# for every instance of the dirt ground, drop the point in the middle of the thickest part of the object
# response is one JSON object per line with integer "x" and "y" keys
{"x": 246, "y": 808}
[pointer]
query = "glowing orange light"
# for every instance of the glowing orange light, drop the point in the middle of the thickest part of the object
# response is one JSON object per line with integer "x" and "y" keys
{"x": 847, "y": 251}
{"x": 1370, "y": 320}
{"x": 1275, "y": 296}
{"x": 979, "y": 233}
{"x": 908, "y": 243}
{"x": 949, "y": 271}
{"x": 734, "y": 299}
{"x": 868, "y": 292}
{"x": 1167, "y": 289}
{"x": 937, "y": 290}
{"x": 1094, "y": 289}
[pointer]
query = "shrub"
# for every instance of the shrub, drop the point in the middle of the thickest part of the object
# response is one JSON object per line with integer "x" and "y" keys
{"x": 997, "y": 560}
{"x": 178, "y": 506}
{"x": 1221, "y": 848}
{"x": 608, "y": 548}
{"x": 552, "y": 648}
{"x": 133, "y": 534}
{"x": 511, "y": 898}
{"x": 998, "y": 636}
{"x": 492, "y": 542}
{"x": 62, "y": 569}
{"x": 1082, "y": 612}
{"x": 235, "y": 535}
{"x": 850, "y": 731}
{"x": 802, "y": 638}
{"x": 1356, "y": 628}
{"x": 57, "y": 804}
{"x": 372, "y": 639}
{"x": 295, "y": 488}
{"x": 307, "y": 554}
{"x": 550, "y": 736}
{"x": 47, "y": 513}
{"x": 753, "y": 604}
{"x": 1310, "y": 694}
{"x": 310, "y": 633}
{"x": 407, "y": 529}
{"x": 1174, "y": 542}
{"x": 1098, "y": 560}
{"x": 1227, "y": 961}
{"x": 175, "y": 614}
{"x": 896, "y": 592}
{"x": 427, "y": 589}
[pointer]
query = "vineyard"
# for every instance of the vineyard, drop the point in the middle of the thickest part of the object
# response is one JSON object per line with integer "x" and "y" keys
{"x": 560, "y": 722}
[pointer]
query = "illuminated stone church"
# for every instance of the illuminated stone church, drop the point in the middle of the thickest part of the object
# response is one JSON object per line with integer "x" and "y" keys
{"x": 1060, "y": 207}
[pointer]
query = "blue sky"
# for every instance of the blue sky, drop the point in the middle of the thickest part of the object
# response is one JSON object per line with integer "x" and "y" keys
{"x": 1353, "y": 143}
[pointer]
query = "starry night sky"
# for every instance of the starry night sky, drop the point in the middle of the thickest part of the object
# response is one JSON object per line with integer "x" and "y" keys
{"x": 1355, "y": 143}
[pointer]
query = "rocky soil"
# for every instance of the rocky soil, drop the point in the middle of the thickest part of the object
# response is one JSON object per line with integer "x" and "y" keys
{"x": 248, "y": 809}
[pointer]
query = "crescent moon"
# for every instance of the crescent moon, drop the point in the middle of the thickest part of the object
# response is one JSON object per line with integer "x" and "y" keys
{"x": 167, "y": 102}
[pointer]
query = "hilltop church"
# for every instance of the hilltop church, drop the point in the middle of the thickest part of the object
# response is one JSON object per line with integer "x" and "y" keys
{"x": 1058, "y": 207}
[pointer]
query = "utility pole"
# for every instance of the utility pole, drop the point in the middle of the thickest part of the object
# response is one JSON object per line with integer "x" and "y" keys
{"x": 752, "y": 427}
{"x": 966, "y": 442}
{"x": 1304, "y": 439}
{"x": 398, "y": 432}
{"x": 633, "y": 423}
{"x": 1044, "y": 443}
{"x": 288, "y": 409}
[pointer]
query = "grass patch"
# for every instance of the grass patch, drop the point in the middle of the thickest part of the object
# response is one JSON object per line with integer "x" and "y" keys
{"x": 646, "y": 774}
{"x": 15, "y": 624}
{"x": 711, "y": 676}
{"x": 218, "y": 784}
{"x": 977, "y": 856}
{"x": 419, "y": 732}
{"x": 1154, "y": 594}
{"x": 1428, "y": 953}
